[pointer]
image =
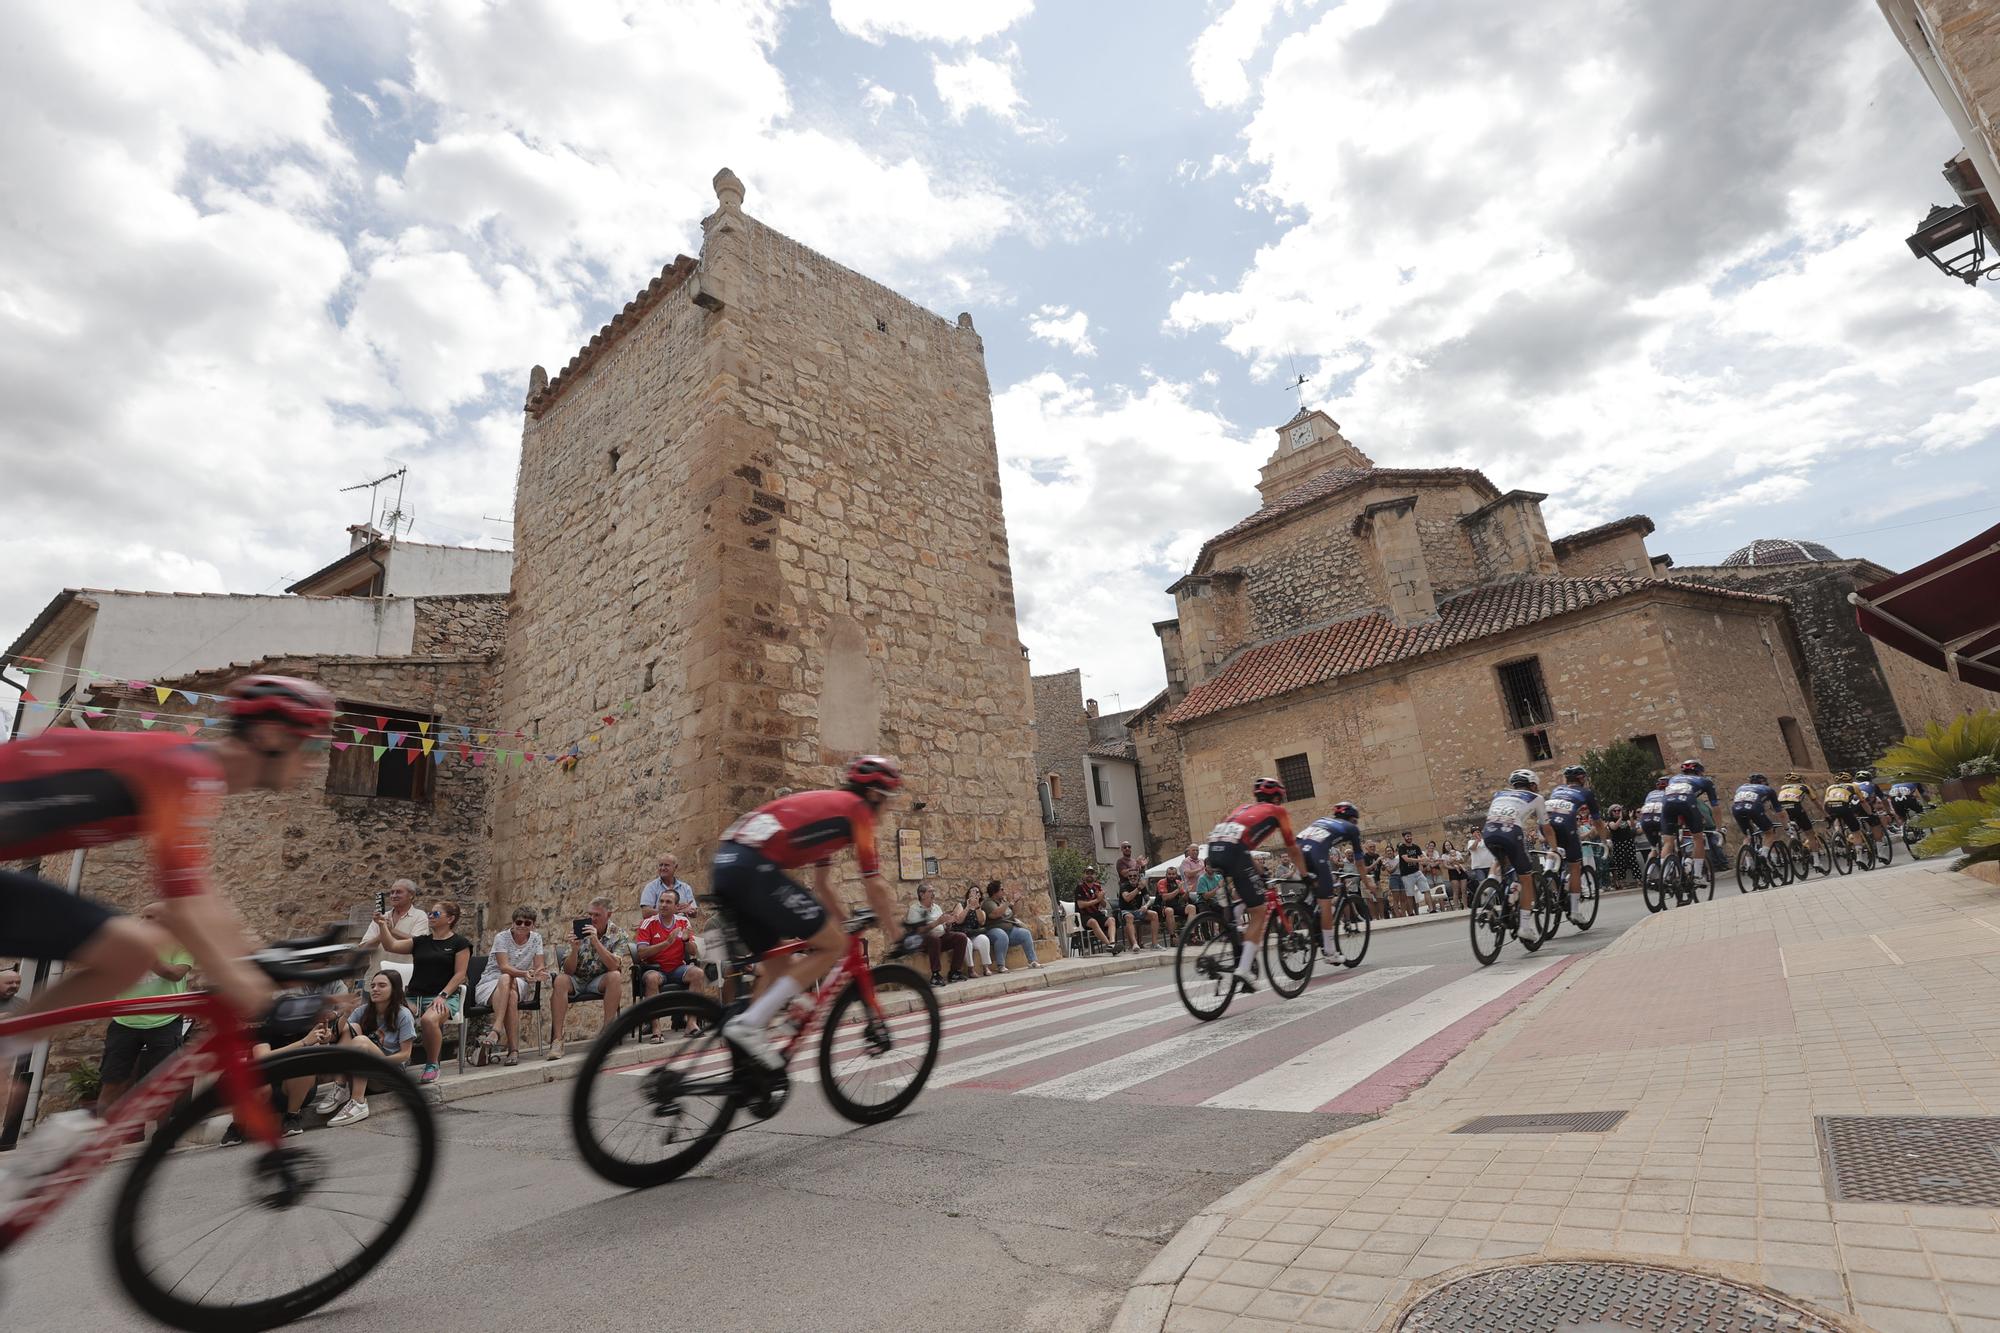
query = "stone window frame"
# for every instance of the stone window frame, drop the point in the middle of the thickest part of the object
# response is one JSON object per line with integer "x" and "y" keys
{"x": 1524, "y": 693}
{"x": 1055, "y": 786}
{"x": 1295, "y": 773}
{"x": 1650, "y": 743}
{"x": 1107, "y": 834}
{"x": 347, "y": 768}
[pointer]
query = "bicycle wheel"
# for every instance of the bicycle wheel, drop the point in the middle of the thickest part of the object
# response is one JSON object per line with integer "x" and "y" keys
{"x": 874, "y": 1062}
{"x": 1488, "y": 921}
{"x": 1885, "y": 850}
{"x": 280, "y": 1231}
{"x": 1864, "y": 855}
{"x": 1822, "y": 859}
{"x": 1703, "y": 882}
{"x": 1551, "y": 904}
{"x": 1351, "y": 925}
{"x": 1843, "y": 855}
{"x": 1204, "y": 965}
{"x": 1584, "y": 915}
{"x": 1746, "y": 869}
{"x": 1781, "y": 864}
{"x": 1653, "y": 886}
{"x": 1291, "y": 946}
{"x": 645, "y": 1124}
{"x": 1912, "y": 835}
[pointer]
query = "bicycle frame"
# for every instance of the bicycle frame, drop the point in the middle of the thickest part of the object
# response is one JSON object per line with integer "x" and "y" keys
{"x": 853, "y": 963}
{"x": 223, "y": 1049}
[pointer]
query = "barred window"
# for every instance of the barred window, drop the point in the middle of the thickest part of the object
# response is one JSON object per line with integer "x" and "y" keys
{"x": 404, "y": 773}
{"x": 1297, "y": 775}
{"x": 1527, "y": 698}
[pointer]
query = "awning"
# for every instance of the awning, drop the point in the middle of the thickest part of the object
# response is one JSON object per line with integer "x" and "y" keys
{"x": 1945, "y": 612}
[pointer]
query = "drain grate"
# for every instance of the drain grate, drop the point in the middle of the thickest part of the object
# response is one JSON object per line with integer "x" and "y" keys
{"x": 1553, "y": 1122}
{"x": 1580, "y": 1297}
{"x": 1941, "y": 1160}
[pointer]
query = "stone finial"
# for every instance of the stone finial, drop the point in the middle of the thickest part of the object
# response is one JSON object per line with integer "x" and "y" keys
{"x": 538, "y": 380}
{"x": 728, "y": 189}
{"x": 965, "y": 319}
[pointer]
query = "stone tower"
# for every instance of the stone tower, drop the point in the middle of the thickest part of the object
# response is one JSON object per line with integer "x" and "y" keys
{"x": 763, "y": 504}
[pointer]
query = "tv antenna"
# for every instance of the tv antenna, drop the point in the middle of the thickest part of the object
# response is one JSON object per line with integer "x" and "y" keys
{"x": 1298, "y": 385}
{"x": 393, "y": 517}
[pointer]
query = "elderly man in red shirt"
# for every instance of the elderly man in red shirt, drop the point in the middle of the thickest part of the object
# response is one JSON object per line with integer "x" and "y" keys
{"x": 660, "y": 948}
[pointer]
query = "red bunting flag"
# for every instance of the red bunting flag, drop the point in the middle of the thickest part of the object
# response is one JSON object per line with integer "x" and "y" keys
{"x": 27, "y": 698}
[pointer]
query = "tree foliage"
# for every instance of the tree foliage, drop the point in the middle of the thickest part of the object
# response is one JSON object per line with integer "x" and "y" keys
{"x": 1620, "y": 774}
{"x": 1067, "y": 867}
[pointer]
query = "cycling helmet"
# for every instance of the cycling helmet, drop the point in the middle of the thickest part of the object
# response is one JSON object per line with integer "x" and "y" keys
{"x": 1659, "y": 784}
{"x": 871, "y": 772}
{"x": 300, "y": 705}
{"x": 1758, "y": 779}
{"x": 1843, "y": 776}
{"x": 1793, "y": 777}
{"x": 1268, "y": 789}
{"x": 1575, "y": 773}
{"x": 1693, "y": 766}
{"x": 1864, "y": 775}
{"x": 1346, "y": 810}
{"x": 1523, "y": 777}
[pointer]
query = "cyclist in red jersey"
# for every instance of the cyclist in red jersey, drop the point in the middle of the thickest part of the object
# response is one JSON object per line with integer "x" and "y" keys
{"x": 1229, "y": 846}
{"x": 70, "y": 788}
{"x": 764, "y": 905}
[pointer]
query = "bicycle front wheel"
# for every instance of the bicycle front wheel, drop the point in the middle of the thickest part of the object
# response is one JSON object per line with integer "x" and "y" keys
{"x": 1351, "y": 925}
{"x": 1781, "y": 864}
{"x": 1488, "y": 921}
{"x": 644, "y": 1124}
{"x": 1653, "y": 886}
{"x": 237, "y": 1240}
{"x": 1205, "y": 964}
{"x": 1290, "y": 948}
{"x": 1885, "y": 850}
{"x": 1746, "y": 868}
{"x": 1584, "y": 915}
{"x": 874, "y": 1061}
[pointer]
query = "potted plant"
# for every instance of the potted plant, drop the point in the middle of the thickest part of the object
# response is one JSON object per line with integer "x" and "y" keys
{"x": 1956, "y": 758}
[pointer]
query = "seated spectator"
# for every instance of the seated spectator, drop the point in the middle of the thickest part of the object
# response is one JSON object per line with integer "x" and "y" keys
{"x": 1004, "y": 928}
{"x": 1090, "y": 910}
{"x": 1207, "y": 888}
{"x": 1133, "y": 909}
{"x": 438, "y": 963}
{"x": 970, "y": 921}
{"x": 926, "y": 919}
{"x": 289, "y": 1100}
{"x": 1173, "y": 903}
{"x": 516, "y": 957}
{"x": 10, "y": 984}
{"x": 380, "y": 1025}
{"x": 669, "y": 880}
{"x": 660, "y": 948}
{"x": 137, "y": 1044}
{"x": 400, "y": 909}
{"x": 592, "y": 968}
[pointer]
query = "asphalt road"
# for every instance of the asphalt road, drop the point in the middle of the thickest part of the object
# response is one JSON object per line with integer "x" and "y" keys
{"x": 986, "y": 1206}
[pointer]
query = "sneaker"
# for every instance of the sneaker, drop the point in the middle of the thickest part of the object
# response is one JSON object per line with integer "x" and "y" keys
{"x": 233, "y": 1135}
{"x": 331, "y": 1097}
{"x": 349, "y": 1114}
{"x": 1330, "y": 957}
{"x": 749, "y": 1039}
{"x": 429, "y": 1076}
{"x": 936, "y": 980}
{"x": 294, "y": 1124}
{"x": 555, "y": 1051}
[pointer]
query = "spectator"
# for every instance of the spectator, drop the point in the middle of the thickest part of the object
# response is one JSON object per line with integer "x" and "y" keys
{"x": 1131, "y": 869}
{"x": 380, "y": 1025}
{"x": 1454, "y": 870}
{"x": 1478, "y": 862}
{"x": 970, "y": 921}
{"x": 660, "y": 947}
{"x": 10, "y": 984}
{"x": 437, "y": 975}
{"x": 403, "y": 913}
{"x": 1004, "y": 928}
{"x": 289, "y": 1101}
{"x": 1132, "y": 909}
{"x": 926, "y": 918}
{"x": 1409, "y": 866}
{"x": 516, "y": 958}
{"x": 1371, "y": 880}
{"x": 1173, "y": 903}
{"x": 591, "y": 968}
{"x": 1190, "y": 870}
{"x": 669, "y": 878}
{"x": 135, "y": 1045}
{"x": 1208, "y": 887}
{"x": 1090, "y": 910}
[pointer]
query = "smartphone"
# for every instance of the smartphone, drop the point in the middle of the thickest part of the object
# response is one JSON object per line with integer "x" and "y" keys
{"x": 381, "y": 902}
{"x": 576, "y": 925}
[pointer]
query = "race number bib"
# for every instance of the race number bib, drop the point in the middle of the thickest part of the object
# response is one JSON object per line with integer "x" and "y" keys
{"x": 1902, "y": 791}
{"x": 1226, "y": 831}
{"x": 1792, "y": 795}
{"x": 1680, "y": 787}
{"x": 754, "y": 830}
{"x": 1314, "y": 833}
{"x": 1556, "y": 805}
{"x": 1748, "y": 796}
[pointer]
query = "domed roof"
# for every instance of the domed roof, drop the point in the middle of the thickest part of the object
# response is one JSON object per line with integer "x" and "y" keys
{"x": 1778, "y": 551}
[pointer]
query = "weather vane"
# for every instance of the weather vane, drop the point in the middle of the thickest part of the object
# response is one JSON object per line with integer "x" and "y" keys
{"x": 1298, "y": 384}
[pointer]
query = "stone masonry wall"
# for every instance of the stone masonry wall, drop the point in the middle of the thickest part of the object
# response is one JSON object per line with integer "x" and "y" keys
{"x": 1161, "y": 795}
{"x": 1923, "y": 694}
{"x": 1968, "y": 47}
{"x": 467, "y": 623}
{"x": 1622, "y": 555}
{"x": 1062, "y": 736}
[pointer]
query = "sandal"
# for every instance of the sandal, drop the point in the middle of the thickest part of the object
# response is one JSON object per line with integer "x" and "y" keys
{"x": 511, "y": 1058}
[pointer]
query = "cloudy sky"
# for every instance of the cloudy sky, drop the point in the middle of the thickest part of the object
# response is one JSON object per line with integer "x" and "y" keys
{"x": 1644, "y": 257}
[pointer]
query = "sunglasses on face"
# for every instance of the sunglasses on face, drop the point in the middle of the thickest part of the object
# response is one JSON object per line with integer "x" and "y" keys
{"x": 524, "y": 921}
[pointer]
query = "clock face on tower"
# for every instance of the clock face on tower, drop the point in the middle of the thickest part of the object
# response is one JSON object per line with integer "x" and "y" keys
{"x": 1302, "y": 435}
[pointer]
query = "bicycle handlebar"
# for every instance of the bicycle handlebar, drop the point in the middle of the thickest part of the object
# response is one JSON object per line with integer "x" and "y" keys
{"x": 330, "y": 956}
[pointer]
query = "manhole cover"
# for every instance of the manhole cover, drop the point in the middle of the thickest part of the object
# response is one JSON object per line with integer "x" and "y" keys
{"x": 1564, "y": 1122}
{"x": 1948, "y": 1161}
{"x": 1587, "y": 1297}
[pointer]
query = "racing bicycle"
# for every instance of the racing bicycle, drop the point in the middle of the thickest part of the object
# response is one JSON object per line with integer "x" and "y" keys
{"x": 1801, "y": 861}
{"x": 1759, "y": 867}
{"x": 1352, "y": 921}
{"x": 645, "y": 1124}
{"x": 1680, "y": 877}
{"x": 1496, "y": 911}
{"x": 236, "y": 1241}
{"x": 1205, "y": 965}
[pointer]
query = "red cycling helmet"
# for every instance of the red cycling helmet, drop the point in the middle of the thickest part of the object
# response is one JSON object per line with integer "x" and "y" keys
{"x": 1268, "y": 789}
{"x": 1693, "y": 766}
{"x": 871, "y": 772}
{"x": 1346, "y": 810}
{"x": 303, "y": 706}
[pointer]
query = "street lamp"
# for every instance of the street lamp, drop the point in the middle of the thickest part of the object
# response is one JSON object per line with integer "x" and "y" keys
{"x": 1945, "y": 227}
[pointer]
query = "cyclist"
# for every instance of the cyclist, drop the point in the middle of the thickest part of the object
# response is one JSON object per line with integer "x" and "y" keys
{"x": 1843, "y": 806}
{"x": 1748, "y": 806}
{"x": 1793, "y": 798}
{"x": 1518, "y": 803}
{"x": 1684, "y": 804}
{"x": 1317, "y": 840}
{"x": 1907, "y": 798}
{"x": 764, "y": 905}
{"x": 1649, "y": 815}
{"x": 1872, "y": 799}
{"x": 69, "y": 788}
{"x": 1230, "y": 844}
{"x": 1566, "y": 804}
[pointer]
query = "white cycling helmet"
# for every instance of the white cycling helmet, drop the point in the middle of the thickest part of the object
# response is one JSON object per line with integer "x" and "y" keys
{"x": 1524, "y": 777}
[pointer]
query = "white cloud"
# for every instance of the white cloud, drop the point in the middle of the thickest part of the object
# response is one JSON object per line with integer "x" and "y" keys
{"x": 1221, "y": 55}
{"x": 928, "y": 20}
{"x": 877, "y": 100}
{"x": 975, "y": 83}
{"x": 1754, "y": 493}
{"x": 1059, "y": 326}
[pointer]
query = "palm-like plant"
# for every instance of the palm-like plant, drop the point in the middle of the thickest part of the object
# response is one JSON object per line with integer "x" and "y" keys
{"x": 1973, "y": 825}
{"x": 1966, "y": 747}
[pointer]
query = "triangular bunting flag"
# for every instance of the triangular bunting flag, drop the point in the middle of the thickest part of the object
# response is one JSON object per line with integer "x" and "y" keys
{"x": 411, "y": 755}
{"x": 610, "y": 719}
{"x": 437, "y": 756}
{"x": 594, "y": 736}
{"x": 28, "y": 698}
{"x": 423, "y": 728}
{"x": 465, "y": 752}
{"x": 31, "y": 659}
{"x": 428, "y": 743}
{"x": 359, "y": 732}
{"x": 396, "y": 738}
{"x": 342, "y": 745}
{"x": 478, "y": 758}
{"x": 93, "y": 712}
{"x": 191, "y": 696}
{"x": 160, "y": 692}
{"x": 146, "y": 720}
{"x": 381, "y": 724}
{"x": 191, "y": 727}
{"x": 380, "y": 750}
{"x": 137, "y": 685}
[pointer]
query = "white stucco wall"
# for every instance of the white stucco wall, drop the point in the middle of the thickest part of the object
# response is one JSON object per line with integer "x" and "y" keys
{"x": 440, "y": 571}
{"x": 1121, "y": 808}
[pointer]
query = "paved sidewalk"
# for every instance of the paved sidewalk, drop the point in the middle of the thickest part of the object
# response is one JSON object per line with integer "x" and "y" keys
{"x": 1722, "y": 1031}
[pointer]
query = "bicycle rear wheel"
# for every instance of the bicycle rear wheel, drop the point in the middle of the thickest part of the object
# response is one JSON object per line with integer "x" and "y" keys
{"x": 240, "y": 1240}
{"x": 1291, "y": 946}
{"x": 1488, "y": 921}
{"x": 1864, "y": 855}
{"x": 1584, "y": 915}
{"x": 1885, "y": 849}
{"x": 1912, "y": 835}
{"x": 1781, "y": 864}
{"x": 1843, "y": 855}
{"x": 645, "y": 1124}
{"x": 1204, "y": 965}
{"x": 1746, "y": 868}
{"x": 1653, "y": 886}
{"x": 1350, "y": 929}
{"x": 873, "y": 1064}
{"x": 1551, "y": 902}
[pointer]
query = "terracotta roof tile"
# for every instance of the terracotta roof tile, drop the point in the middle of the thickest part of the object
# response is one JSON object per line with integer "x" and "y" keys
{"x": 1114, "y": 749}
{"x": 1316, "y": 656}
{"x": 1639, "y": 521}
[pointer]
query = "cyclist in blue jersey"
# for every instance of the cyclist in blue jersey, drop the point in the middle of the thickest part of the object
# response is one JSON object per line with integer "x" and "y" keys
{"x": 1748, "y": 805}
{"x": 1690, "y": 803}
{"x": 1571, "y": 799}
{"x": 1907, "y": 797}
{"x": 1317, "y": 840}
{"x": 1872, "y": 799}
{"x": 1517, "y": 804}
{"x": 1649, "y": 815}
